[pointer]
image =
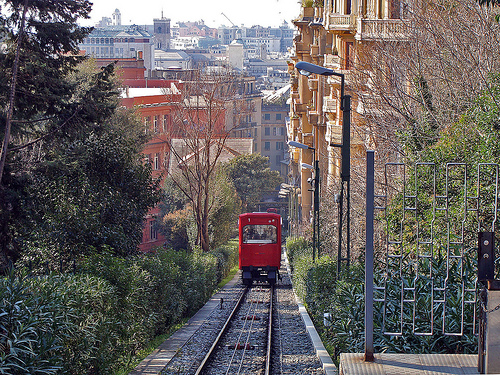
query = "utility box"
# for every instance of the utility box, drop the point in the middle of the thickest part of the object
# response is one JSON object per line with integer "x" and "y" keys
{"x": 489, "y": 315}
{"x": 492, "y": 328}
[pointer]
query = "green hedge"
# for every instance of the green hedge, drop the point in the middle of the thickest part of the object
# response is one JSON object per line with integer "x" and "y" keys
{"x": 322, "y": 292}
{"x": 94, "y": 322}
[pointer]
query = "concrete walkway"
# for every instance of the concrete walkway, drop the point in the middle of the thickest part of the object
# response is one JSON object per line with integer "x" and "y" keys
{"x": 408, "y": 364}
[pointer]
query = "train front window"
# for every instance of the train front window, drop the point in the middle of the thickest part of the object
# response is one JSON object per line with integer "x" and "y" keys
{"x": 260, "y": 234}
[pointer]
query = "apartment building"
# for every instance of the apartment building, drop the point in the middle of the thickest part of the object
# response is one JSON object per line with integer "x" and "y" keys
{"x": 121, "y": 42}
{"x": 273, "y": 145}
{"x": 330, "y": 34}
{"x": 155, "y": 110}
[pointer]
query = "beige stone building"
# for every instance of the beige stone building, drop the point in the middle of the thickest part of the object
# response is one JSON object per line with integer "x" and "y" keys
{"x": 331, "y": 33}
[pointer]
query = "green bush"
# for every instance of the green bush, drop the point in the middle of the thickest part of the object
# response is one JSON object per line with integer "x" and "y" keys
{"x": 55, "y": 324}
{"x": 227, "y": 258}
{"x": 32, "y": 329}
{"x": 97, "y": 320}
{"x": 296, "y": 247}
{"x": 317, "y": 285}
{"x": 89, "y": 304}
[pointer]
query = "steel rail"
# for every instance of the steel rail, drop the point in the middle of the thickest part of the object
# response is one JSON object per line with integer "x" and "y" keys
{"x": 221, "y": 333}
{"x": 269, "y": 334}
{"x": 248, "y": 332}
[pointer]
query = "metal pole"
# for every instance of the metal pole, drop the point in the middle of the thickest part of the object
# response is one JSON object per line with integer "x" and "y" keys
{"x": 339, "y": 250}
{"x": 345, "y": 175}
{"x": 346, "y": 167}
{"x": 316, "y": 203}
{"x": 370, "y": 198}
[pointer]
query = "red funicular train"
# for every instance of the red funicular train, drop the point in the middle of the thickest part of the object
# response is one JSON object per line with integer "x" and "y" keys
{"x": 260, "y": 246}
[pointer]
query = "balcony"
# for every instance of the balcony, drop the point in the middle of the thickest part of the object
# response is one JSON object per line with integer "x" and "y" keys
{"x": 299, "y": 108}
{"x": 332, "y": 61}
{"x": 333, "y": 133}
{"x": 341, "y": 22}
{"x": 301, "y": 47}
{"x": 312, "y": 84}
{"x": 308, "y": 139}
{"x": 389, "y": 29}
{"x": 329, "y": 105}
{"x": 314, "y": 50}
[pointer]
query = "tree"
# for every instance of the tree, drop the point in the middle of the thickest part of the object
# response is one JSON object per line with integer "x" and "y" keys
{"x": 252, "y": 177}
{"x": 73, "y": 180}
{"x": 41, "y": 39}
{"x": 40, "y": 42}
{"x": 199, "y": 117}
{"x": 90, "y": 190}
{"x": 418, "y": 84}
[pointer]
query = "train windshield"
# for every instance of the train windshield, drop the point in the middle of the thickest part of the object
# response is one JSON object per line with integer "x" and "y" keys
{"x": 260, "y": 234}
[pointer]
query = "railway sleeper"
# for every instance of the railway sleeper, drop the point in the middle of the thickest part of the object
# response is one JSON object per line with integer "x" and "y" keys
{"x": 250, "y": 317}
{"x": 239, "y": 346}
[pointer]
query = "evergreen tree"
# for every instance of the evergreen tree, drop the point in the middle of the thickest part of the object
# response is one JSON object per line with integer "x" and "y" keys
{"x": 252, "y": 177}
{"x": 73, "y": 180}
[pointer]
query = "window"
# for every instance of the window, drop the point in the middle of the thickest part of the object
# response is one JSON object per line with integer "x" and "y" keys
{"x": 147, "y": 124}
{"x": 280, "y": 145}
{"x": 278, "y": 116}
{"x": 153, "y": 230}
{"x": 267, "y": 146}
{"x": 156, "y": 165}
{"x": 260, "y": 234}
{"x": 165, "y": 122}
{"x": 274, "y": 131}
{"x": 278, "y": 160}
{"x": 267, "y": 130}
{"x": 267, "y": 116}
{"x": 155, "y": 124}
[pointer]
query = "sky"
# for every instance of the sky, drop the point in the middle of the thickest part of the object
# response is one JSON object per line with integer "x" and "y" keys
{"x": 248, "y": 13}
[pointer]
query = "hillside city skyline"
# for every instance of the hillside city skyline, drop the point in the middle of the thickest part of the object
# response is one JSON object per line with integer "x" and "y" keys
{"x": 220, "y": 13}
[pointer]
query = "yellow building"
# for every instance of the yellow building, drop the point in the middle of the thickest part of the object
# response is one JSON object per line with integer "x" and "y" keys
{"x": 331, "y": 34}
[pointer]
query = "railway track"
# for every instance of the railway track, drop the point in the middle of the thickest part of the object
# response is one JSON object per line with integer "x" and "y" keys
{"x": 244, "y": 344}
{"x": 292, "y": 351}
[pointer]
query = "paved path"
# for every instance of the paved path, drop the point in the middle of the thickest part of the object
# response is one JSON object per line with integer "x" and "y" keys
{"x": 409, "y": 364}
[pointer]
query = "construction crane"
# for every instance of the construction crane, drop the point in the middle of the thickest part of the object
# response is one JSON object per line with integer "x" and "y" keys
{"x": 228, "y": 19}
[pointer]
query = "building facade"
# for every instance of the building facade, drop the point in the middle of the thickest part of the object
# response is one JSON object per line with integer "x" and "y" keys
{"x": 331, "y": 35}
{"x": 121, "y": 43}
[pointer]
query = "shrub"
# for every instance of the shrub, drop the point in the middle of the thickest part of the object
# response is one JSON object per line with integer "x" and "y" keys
{"x": 227, "y": 258}
{"x": 32, "y": 329}
{"x": 318, "y": 286}
{"x": 295, "y": 247}
{"x": 88, "y": 303}
{"x": 95, "y": 321}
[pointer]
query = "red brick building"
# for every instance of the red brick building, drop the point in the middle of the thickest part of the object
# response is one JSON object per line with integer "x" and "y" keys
{"x": 155, "y": 110}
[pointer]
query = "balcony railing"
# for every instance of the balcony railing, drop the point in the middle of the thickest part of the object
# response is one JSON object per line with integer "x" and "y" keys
{"x": 390, "y": 29}
{"x": 333, "y": 132}
{"x": 342, "y": 21}
{"x": 329, "y": 105}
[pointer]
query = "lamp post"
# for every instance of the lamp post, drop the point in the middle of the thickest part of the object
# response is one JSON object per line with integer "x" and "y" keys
{"x": 315, "y": 189}
{"x": 307, "y": 69}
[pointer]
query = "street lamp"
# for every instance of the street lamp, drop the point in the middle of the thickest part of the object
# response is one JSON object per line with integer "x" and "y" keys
{"x": 307, "y": 69}
{"x": 315, "y": 189}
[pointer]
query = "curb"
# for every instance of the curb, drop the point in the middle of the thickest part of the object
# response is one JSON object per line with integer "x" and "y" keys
{"x": 328, "y": 365}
